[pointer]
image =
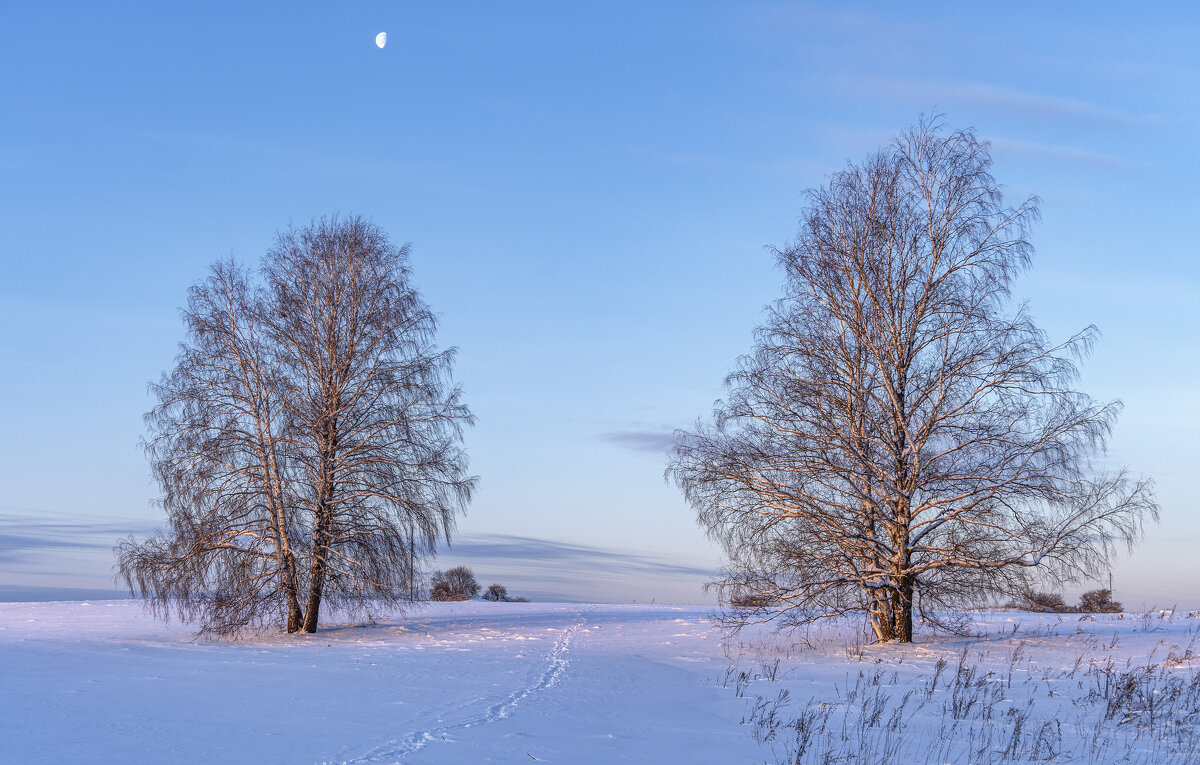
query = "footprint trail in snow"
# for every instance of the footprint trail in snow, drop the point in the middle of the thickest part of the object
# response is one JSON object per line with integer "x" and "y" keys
{"x": 556, "y": 665}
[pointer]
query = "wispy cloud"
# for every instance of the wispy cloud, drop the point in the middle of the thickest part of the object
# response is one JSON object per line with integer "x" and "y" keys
{"x": 25, "y": 536}
{"x": 46, "y": 547}
{"x": 943, "y": 94}
{"x": 21, "y": 546}
{"x": 546, "y": 569}
{"x": 568, "y": 556}
{"x": 655, "y": 441}
{"x": 1068, "y": 154}
{"x": 17, "y": 593}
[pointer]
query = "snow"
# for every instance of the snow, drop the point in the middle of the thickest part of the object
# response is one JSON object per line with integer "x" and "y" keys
{"x": 571, "y": 683}
{"x": 469, "y": 682}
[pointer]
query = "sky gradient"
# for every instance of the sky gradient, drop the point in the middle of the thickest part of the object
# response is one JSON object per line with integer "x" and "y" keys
{"x": 590, "y": 191}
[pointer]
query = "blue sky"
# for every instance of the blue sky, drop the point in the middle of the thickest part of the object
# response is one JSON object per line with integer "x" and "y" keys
{"x": 589, "y": 190}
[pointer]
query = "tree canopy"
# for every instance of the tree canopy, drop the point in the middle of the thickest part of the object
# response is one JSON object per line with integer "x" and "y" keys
{"x": 307, "y": 443}
{"x": 902, "y": 437}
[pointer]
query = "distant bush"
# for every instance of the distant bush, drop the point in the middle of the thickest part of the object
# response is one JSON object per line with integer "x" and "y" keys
{"x": 499, "y": 593}
{"x": 1045, "y": 602}
{"x": 1099, "y": 602}
{"x": 745, "y": 599}
{"x": 457, "y": 583}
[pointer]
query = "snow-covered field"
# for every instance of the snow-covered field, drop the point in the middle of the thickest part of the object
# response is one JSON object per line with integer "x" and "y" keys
{"x": 570, "y": 683}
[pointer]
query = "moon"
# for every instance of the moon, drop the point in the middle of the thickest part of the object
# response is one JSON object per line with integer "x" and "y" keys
{"x": 381, "y": 39}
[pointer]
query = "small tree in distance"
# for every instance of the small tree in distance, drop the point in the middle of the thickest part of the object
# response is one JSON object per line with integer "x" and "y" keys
{"x": 457, "y": 583}
{"x": 1099, "y": 602}
{"x": 1045, "y": 602}
{"x": 901, "y": 439}
{"x": 496, "y": 593}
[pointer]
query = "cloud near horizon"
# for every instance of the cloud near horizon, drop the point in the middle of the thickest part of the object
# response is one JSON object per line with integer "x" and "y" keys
{"x": 550, "y": 554}
{"x": 24, "y": 536}
{"x": 547, "y": 569}
{"x": 653, "y": 441}
{"x": 60, "y": 556}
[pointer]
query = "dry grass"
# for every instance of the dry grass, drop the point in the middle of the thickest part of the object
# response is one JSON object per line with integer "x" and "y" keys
{"x": 997, "y": 700}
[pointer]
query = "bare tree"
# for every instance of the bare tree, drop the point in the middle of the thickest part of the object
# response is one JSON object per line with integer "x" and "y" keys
{"x": 215, "y": 451}
{"x": 1099, "y": 602}
{"x": 902, "y": 438}
{"x": 307, "y": 442}
{"x": 457, "y": 583}
{"x": 496, "y": 593}
{"x": 377, "y": 423}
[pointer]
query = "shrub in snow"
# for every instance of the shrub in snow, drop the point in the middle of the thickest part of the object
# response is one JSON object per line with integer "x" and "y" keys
{"x": 457, "y": 583}
{"x": 498, "y": 593}
{"x": 1099, "y": 602}
{"x": 1045, "y": 602}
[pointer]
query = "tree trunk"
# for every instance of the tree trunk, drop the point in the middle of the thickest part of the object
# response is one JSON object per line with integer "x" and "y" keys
{"x": 312, "y": 609}
{"x": 320, "y": 564}
{"x": 295, "y": 619}
{"x": 287, "y": 562}
{"x": 324, "y": 526}
{"x": 882, "y": 619}
{"x": 902, "y": 603}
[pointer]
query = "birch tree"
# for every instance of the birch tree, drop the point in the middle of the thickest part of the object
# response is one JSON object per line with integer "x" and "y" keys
{"x": 377, "y": 422}
{"x": 307, "y": 443}
{"x": 902, "y": 437}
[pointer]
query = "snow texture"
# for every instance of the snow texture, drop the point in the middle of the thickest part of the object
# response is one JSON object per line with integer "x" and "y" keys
{"x": 485, "y": 682}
